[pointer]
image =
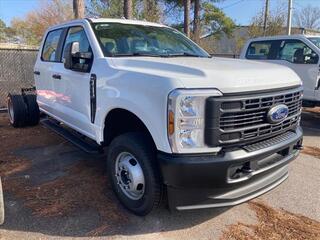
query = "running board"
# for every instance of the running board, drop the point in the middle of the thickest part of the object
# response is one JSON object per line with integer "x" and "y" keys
{"x": 86, "y": 146}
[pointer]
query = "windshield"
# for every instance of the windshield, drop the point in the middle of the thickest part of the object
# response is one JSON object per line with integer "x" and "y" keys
{"x": 117, "y": 39}
{"x": 315, "y": 40}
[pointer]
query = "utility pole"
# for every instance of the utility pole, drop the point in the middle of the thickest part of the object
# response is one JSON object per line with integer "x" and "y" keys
{"x": 78, "y": 9}
{"x": 196, "y": 21}
{"x": 265, "y": 22}
{"x": 187, "y": 6}
{"x": 289, "y": 17}
{"x": 127, "y": 9}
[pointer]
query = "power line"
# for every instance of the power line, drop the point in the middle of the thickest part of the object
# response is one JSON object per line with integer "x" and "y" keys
{"x": 232, "y": 4}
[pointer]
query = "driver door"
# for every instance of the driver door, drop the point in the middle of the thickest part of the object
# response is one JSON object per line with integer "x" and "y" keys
{"x": 73, "y": 87}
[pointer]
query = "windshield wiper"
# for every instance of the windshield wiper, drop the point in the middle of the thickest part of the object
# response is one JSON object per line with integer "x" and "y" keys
{"x": 137, "y": 54}
{"x": 142, "y": 54}
{"x": 184, "y": 54}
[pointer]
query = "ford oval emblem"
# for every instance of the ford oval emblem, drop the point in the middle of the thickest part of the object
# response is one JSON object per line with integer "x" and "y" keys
{"x": 278, "y": 113}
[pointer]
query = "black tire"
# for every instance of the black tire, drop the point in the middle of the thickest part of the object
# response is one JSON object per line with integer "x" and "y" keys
{"x": 1, "y": 205}
{"x": 17, "y": 110}
{"x": 33, "y": 117}
{"x": 142, "y": 148}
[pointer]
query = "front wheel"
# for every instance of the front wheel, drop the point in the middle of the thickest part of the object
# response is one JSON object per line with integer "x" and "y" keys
{"x": 133, "y": 173}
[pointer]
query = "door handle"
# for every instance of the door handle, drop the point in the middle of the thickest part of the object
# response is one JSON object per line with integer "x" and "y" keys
{"x": 36, "y": 72}
{"x": 56, "y": 76}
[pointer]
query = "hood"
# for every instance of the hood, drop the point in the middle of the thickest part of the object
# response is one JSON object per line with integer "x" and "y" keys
{"x": 227, "y": 75}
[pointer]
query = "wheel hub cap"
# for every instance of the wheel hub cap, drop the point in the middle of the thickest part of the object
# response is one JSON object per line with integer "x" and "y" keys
{"x": 129, "y": 176}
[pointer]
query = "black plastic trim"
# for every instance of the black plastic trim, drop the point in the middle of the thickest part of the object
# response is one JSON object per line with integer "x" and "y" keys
{"x": 213, "y": 112}
{"x": 93, "y": 96}
{"x": 75, "y": 138}
{"x": 197, "y": 180}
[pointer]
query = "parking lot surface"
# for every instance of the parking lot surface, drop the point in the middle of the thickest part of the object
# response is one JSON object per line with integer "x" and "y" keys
{"x": 55, "y": 191}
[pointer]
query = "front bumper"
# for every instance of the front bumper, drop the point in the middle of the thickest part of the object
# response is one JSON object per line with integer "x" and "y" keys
{"x": 229, "y": 178}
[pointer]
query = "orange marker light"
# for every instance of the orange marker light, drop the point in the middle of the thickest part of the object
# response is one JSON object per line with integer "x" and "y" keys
{"x": 170, "y": 123}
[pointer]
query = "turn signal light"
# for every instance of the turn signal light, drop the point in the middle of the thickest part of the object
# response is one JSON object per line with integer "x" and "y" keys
{"x": 170, "y": 123}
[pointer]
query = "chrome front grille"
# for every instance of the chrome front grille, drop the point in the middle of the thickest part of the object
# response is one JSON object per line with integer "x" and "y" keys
{"x": 244, "y": 118}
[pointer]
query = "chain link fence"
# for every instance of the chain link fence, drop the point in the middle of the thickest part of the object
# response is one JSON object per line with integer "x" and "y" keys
{"x": 16, "y": 71}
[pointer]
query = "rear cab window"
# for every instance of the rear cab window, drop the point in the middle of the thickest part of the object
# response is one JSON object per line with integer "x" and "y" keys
{"x": 50, "y": 46}
{"x": 259, "y": 50}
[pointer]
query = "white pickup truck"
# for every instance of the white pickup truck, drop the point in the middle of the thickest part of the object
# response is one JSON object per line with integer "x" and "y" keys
{"x": 298, "y": 52}
{"x": 177, "y": 124}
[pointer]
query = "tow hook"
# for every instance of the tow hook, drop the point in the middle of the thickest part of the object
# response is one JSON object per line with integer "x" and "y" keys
{"x": 298, "y": 147}
{"x": 246, "y": 170}
{"x": 243, "y": 171}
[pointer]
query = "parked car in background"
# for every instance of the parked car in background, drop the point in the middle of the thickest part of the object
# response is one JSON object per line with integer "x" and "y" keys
{"x": 178, "y": 125}
{"x": 298, "y": 52}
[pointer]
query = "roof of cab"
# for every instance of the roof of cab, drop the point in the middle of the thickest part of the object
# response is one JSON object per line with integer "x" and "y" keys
{"x": 298, "y": 36}
{"x": 124, "y": 21}
{"x": 108, "y": 20}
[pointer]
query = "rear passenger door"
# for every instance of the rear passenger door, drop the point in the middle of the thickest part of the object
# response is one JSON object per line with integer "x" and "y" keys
{"x": 48, "y": 57}
{"x": 73, "y": 87}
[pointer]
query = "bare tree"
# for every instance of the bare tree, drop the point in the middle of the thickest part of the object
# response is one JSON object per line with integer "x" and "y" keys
{"x": 196, "y": 21}
{"x": 31, "y": 28}
{"x": 187, "y": 5}
{"x": 127, "y": 9}
{"x": 78, "y": 9}
{"x": 308, "y": 17}
{"x": 274, "y": 25}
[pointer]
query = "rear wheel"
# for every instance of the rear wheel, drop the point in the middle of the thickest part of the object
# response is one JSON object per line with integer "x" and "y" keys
{"x": 133, "y": 173}
{"x": 33, "y": 117}
{"x": 17, "y": 110}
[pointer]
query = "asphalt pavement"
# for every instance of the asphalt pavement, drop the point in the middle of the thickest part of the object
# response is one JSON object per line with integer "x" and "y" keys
{"x": 55, "y": 191}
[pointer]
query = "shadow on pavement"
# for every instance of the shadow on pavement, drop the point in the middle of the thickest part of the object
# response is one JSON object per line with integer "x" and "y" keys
{"x": 53, "y": 188}
{"x": 310, "y": 122}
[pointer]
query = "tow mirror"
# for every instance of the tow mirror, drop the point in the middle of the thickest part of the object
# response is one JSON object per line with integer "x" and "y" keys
{"x": 311, "y": 58}
{"x": 76, "y": 60}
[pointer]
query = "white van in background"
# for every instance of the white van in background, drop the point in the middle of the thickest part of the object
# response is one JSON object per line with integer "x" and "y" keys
{"x": 299, "y": 52}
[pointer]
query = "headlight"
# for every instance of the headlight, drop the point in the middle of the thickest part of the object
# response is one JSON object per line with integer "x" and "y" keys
{"x": 186, "y": 114}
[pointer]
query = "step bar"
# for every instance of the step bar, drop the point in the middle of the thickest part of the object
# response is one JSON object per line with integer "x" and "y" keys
{"x": 87, "y": 146}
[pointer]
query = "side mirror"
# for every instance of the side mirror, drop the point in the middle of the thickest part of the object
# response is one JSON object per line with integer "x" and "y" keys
{"x": 70, "y": 49}
{"x": 311, "y": 58}
{"x": 76, "y": 60}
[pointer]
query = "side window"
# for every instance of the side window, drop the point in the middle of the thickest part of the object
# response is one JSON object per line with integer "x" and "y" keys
{"x": 77, "y": 34}
{"x": 259, "y": 50}
{"x": 50, "y": 46}
{"x": 295, "y": 51}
